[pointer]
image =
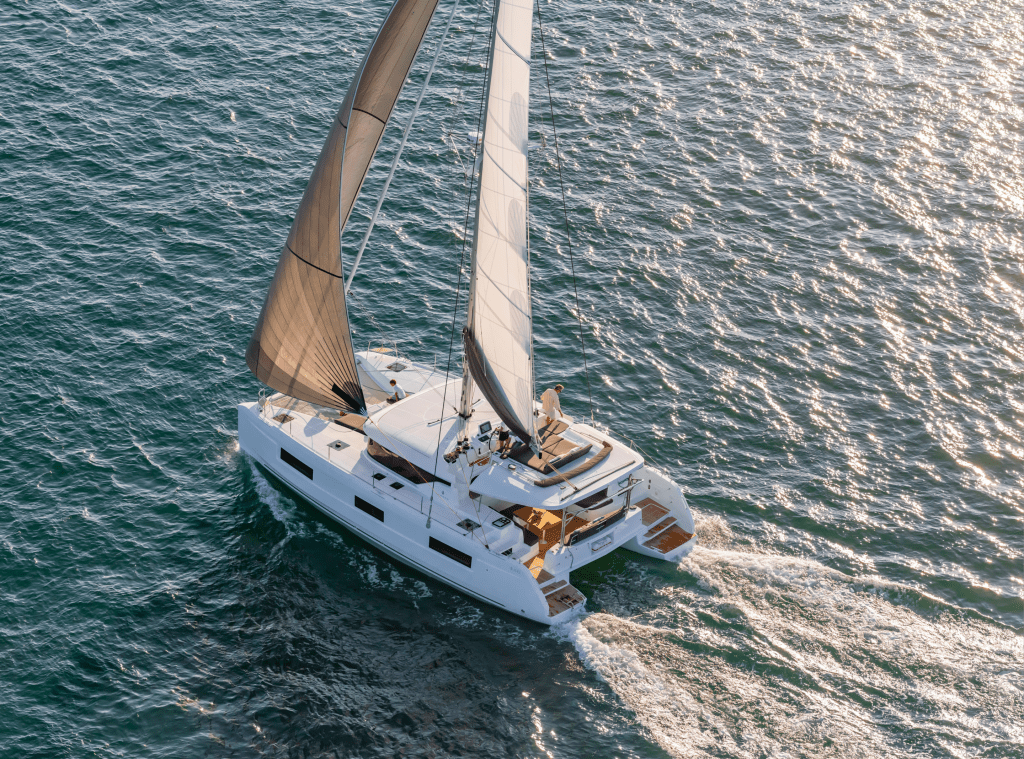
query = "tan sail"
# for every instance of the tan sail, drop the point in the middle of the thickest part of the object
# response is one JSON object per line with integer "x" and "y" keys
{"x": 302, "y": 344}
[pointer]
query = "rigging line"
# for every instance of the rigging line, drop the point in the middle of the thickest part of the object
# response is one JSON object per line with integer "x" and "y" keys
{"x": 565, "y": 212}
{"x": 462, "y": 256}
{"x": 457, "y": 103}
{"x": 395, "y": 452}
{"x": 401, "y": 146}
{"x": 465, "y": 236}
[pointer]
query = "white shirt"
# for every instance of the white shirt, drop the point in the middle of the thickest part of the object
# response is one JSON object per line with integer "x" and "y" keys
{"x": 549, "y": 400}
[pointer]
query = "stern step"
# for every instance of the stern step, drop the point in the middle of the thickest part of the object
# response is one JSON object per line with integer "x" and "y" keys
{"x": 561, "y": 597}
{"x": 553, "y": 587}
{"x": 659, "y": 527}
{"x": 668, "y": 540}
{"x": 652, "y": 511}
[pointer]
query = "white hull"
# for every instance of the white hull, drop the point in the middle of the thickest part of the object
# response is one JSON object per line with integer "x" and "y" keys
{"x": 329, "y": 466}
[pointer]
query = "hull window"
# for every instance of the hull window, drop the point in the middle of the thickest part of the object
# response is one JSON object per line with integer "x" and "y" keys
{"x": 451, "y": 553}
{"x": 290, "y": 460}
{"x": 369, "y": 508}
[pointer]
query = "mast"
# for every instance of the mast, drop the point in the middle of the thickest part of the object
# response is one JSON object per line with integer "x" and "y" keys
{"x": 302, "y": 344}
{"x": 498, "y": 337}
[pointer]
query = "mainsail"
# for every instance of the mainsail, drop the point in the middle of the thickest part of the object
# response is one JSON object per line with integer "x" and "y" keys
{"x": 498, "y": 336}
{"x": 302, "y": 345}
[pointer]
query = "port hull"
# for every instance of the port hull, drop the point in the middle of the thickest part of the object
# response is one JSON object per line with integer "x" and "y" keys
{"x": 441, "y": 530}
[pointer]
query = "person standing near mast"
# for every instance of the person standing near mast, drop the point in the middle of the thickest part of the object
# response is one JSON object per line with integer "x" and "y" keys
{"x": 549, "y": 402}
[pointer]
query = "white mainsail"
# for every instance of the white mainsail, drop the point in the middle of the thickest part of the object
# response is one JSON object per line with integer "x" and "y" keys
{"x": 498, "y": 336}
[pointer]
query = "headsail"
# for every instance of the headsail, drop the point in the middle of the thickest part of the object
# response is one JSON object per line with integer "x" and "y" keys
{"x": 302, "y": 345}
{"x": 498, "y": 337}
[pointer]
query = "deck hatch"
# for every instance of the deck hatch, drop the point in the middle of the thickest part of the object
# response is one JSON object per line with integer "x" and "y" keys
{"x": 369, "y": 508}
{"x": 451, "y": 553}
{"x": 292, "y": 461}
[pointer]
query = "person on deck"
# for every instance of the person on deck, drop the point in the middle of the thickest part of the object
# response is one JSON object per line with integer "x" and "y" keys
{"x": 549, "y": 402}
{"x": 504, "y": 442}
{"x": 399, "y": 392}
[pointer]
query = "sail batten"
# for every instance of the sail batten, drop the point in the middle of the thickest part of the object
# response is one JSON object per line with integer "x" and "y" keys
{"x": 498, "y": 337}
{"x": 302, "y": 344}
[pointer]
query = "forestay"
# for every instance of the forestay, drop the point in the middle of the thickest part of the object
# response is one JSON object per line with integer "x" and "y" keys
{"x": 498, "y": 336}
{"x": 302, "y": 345}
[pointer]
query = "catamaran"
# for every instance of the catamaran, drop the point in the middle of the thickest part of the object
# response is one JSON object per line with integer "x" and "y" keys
{"x": 464, "y": 478}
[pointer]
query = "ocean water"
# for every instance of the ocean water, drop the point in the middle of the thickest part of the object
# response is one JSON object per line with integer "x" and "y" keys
{"x": 797, "y": 234}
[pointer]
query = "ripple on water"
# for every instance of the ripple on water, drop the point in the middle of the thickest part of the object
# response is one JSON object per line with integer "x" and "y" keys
{"x": 796, "y": 235}
{"x": 772, "y": 651}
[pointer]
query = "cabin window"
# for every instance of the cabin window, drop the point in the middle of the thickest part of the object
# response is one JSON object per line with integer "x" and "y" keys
{"x": 592, "y": 500}
{"x": 588, "y": 532}
{"x": 369, "y": 508}
{"x": 287, "y": 458}
{"x": 451, "y": 553}
{"x": 398, "y": 465}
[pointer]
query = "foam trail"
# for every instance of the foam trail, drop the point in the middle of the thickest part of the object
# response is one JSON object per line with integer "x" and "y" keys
{"x": 775, "y": 655}
{"x": 270, "y": 496}
{"x": 665, "y": 711}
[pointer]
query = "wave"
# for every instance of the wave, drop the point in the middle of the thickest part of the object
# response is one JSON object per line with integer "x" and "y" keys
{"x": 283, "y": 509}
{"x": 762, "y": 654}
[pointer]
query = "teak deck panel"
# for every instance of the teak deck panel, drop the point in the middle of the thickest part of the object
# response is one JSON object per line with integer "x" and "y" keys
{"x": 547, "y": 525}
{"x": 553, "y": 587}
{"x": 652, "y": 510}
{"x": 669, "y": 540}
{"x": 536, "y": 566}
{"x": 562, "y": 599}
{"x": 660, "y": 526}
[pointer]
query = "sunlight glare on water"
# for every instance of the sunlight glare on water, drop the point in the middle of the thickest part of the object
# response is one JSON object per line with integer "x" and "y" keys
{"x": 797, "y": 239}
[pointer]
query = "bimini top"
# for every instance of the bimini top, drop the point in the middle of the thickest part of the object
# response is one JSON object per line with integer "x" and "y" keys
{"x": 415, "y": 430}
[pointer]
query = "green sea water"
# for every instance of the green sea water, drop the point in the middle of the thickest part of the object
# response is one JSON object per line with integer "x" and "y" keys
{"x": 797, "y": 231}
